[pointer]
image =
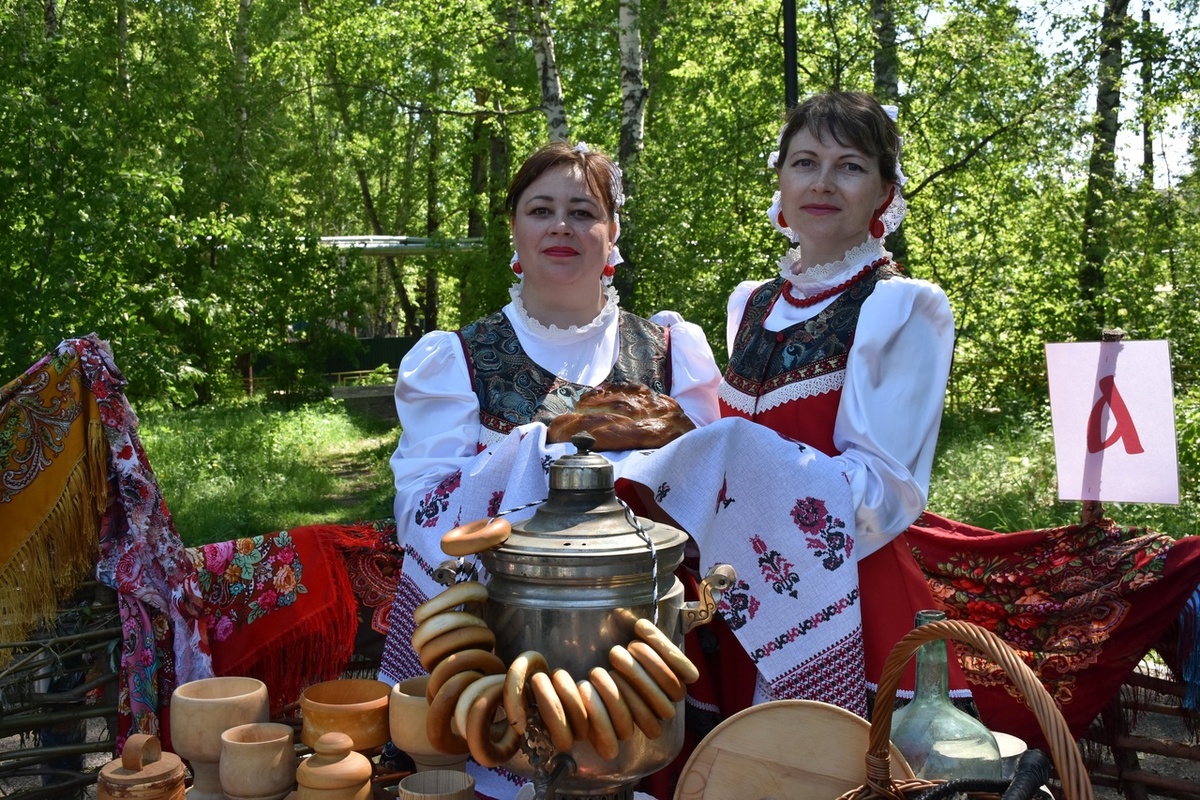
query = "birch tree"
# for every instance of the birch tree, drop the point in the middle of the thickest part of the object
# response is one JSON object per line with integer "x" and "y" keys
{"x": 633, "y": 87}
{"x": 633, "y": 126}
{"x": 548, "y": 76}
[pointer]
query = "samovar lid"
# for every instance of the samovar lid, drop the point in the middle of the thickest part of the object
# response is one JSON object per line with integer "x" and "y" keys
{"x": 582, "y": 518}
{"x": 582, "y": 470}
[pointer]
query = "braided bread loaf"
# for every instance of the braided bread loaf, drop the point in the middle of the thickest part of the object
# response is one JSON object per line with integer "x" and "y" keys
{"x": 623, "y": 416}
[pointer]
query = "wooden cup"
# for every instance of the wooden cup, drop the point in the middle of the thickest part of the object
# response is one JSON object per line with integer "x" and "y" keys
{"x": 437, "y": 784}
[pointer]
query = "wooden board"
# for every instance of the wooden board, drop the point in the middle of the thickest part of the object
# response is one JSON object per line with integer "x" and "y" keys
{"x": 793, "y": 749}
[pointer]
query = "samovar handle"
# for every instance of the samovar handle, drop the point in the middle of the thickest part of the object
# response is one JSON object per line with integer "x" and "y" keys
{"x": 453, "y": 570}
{"x": 701, "y": 612}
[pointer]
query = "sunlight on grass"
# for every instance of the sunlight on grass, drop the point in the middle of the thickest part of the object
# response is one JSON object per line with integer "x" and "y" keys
{"x": 997, "y": 470}
{"x": 252, "y": 468}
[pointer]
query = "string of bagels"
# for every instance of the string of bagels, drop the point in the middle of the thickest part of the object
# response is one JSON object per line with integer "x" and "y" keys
{"x": 469, "y": 685}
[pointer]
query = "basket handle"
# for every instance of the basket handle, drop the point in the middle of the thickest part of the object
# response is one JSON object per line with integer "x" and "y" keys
{"x": 1063, "y": 750}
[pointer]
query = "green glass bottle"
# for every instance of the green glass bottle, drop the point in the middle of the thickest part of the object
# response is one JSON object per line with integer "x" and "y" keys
{"x": 939, "y": 740}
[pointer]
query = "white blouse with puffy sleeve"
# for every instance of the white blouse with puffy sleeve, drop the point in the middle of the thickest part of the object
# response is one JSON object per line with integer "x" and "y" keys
{"x": 439, "y": 412}
{"x": 892, "y": 398}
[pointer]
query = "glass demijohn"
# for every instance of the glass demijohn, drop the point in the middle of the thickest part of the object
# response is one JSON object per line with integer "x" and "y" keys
{"x": 939, "y": 740}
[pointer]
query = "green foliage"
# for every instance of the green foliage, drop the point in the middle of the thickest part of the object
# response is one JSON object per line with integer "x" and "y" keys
{"x": 134, "y": 207}
{"x": 383, "y": 375}
{"x": 166, "y": 170}
{"x": 996, "y": 469}
{"x": 246, "y": 469}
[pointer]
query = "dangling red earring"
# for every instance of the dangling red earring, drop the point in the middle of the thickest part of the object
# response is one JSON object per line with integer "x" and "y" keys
{"x": 609, "y": 270}
{"x": 516, "y": 267}
{"x": 877, "y": 229}
{"x": 782, "y": 221}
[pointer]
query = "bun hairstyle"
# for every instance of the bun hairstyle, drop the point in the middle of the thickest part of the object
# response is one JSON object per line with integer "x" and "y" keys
{"x": 600, "y": 173}
{"x": 853, "y": 119}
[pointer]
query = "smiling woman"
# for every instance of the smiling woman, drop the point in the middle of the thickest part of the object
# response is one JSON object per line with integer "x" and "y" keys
{"x": 846, "y": 354}
{"x": 502, "y": 379}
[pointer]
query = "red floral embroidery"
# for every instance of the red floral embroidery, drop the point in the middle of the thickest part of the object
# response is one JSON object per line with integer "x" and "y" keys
{"x": 825, "y": 534}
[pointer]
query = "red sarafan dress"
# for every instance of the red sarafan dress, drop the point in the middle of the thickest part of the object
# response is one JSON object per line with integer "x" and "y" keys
{"x": 850, "y": 358}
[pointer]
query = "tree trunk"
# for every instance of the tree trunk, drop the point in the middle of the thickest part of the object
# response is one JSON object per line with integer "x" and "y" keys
{"x": 242, "y": 61}
{"x": 1147, "y": 77}
{"x": 433, "y": 219}
{"x": 551, "y": 84}
{"x": 1101, "y": 170}
{"x": 123, "y": 47}
{"x": 479, "y": 167}
{"x": 886, "y": 63}
{"x": 633, "y": 87}
{"x": 633, "y": 126}
{"x": 886, "y": 68}
{"x": 50, "y": 17}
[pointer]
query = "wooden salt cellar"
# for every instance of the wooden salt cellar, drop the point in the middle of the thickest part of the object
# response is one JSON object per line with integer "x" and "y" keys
{"x": 143, "y": 772}
{"x": 335, "y": 771}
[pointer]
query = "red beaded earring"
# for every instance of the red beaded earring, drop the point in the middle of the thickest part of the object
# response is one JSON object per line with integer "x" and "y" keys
{"x": 877, "y": 229}
{"x": 782, "y": 221}
{"x": 609, "y": 270}
{"x": 516, "y": 267}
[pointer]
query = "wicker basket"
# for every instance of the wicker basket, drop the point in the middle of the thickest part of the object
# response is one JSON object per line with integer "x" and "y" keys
{"x": 1068, "y": 762}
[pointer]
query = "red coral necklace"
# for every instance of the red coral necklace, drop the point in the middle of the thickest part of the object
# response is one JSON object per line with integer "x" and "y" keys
{"x": 805, "y": 302}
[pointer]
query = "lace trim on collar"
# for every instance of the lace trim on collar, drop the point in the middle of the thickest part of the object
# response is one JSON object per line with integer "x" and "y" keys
{"x": 553, "y": 332}
{"x": 825, "y": 276}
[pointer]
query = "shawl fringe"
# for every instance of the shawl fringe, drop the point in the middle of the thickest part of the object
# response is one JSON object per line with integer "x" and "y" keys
{"x": 60, "y": 552}
{"x": 318, "y": 645}
{"x": 1189, "y": 650}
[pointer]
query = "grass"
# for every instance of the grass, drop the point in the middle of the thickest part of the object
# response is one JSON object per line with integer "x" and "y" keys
{"x": 997, "y": 470}
{"x": 252, "y": 468}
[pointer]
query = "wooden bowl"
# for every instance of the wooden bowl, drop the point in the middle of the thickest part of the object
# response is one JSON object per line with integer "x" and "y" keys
{"x": 357, "y": 707}
{"x": 258, "y": 760}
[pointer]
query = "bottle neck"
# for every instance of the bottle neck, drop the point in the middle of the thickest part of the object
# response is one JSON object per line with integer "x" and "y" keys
{"x": 933, "y": 670}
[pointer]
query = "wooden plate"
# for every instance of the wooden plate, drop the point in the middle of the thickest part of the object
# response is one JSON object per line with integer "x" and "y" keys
{"x": 793, "y": 749}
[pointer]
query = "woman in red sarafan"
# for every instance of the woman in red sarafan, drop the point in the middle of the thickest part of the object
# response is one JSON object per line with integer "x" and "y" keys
{"x": 844, "y": 352}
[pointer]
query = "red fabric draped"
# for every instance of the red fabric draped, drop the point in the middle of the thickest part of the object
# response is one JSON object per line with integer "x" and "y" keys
{"x": 1081, "y": 604}
{"x": 287, "y": 607}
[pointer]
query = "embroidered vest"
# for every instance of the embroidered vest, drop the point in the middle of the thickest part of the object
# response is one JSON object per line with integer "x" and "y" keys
{"x": 513, "y": 390}
{"x": 791, "y": 380}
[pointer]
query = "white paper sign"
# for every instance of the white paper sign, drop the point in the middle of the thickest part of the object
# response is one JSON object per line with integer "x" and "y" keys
{"x": 1112, "y": 406}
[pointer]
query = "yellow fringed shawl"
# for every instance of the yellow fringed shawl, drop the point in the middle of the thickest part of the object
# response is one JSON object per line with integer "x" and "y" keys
{"x": 53, "y": 493}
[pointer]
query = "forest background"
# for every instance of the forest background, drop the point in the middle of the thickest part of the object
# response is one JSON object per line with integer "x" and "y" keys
{"x": 167, "y": 169}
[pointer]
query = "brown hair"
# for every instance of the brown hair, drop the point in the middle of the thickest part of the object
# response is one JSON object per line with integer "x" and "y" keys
{"x": 853, "y": 119}
{"x": 600, "y": 173}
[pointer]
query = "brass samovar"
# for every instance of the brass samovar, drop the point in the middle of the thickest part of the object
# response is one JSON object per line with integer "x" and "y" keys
{"x": 570, "y": 583}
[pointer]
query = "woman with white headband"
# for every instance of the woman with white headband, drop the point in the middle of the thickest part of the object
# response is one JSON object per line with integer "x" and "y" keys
{"x": 842, "y": 351}
{"x": 462, "y": 394}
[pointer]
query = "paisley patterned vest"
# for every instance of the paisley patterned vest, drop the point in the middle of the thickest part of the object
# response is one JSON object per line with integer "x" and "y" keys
{"x": 791, "y": 380}
{"x": 513, "y": 390}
